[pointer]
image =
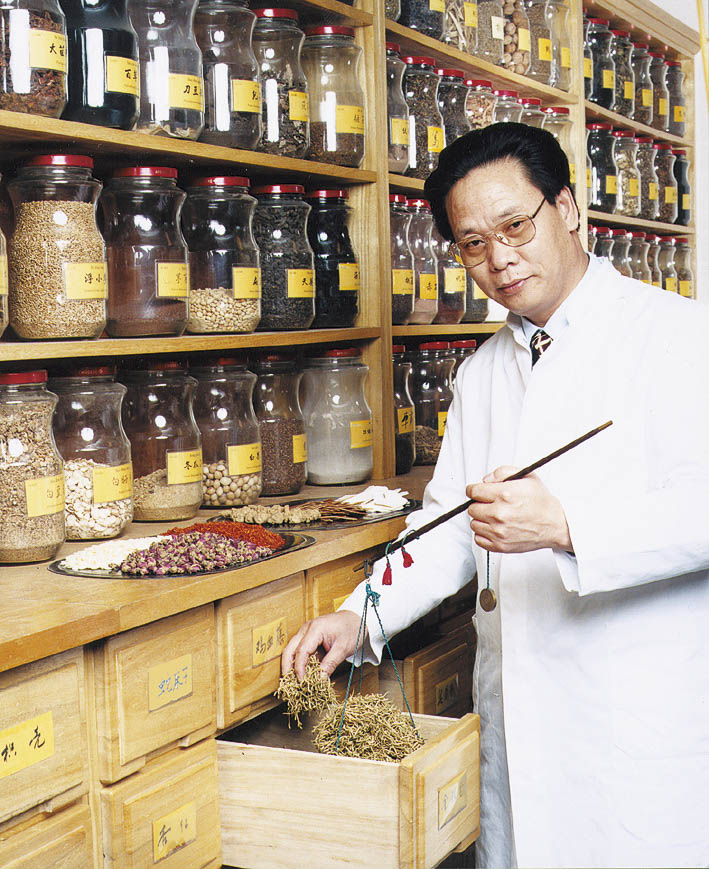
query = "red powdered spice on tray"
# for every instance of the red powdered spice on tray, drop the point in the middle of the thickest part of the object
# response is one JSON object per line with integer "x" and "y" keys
{"x": 256, "y": 534}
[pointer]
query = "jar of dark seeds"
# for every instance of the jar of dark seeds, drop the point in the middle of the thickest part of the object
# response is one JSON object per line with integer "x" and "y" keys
{"x": 666, "y": 263}
{"x": 392, "y": 9}
{"x": 31, "y": 471}
{"x": 599, "y": 41}
{"x": 622, "y": 51}
{"x": 148, "y": 273}
{"x": 461, "y": 25}
{"x": 491, "y": 31}
{"x": 330, "y": 61}
{"x": 619, "y": 252}
{"x": 625, "y": 153}
{"x": 479, "y": 103}
{"x": 426, "y": 131}
{"x": 287, "y": 260}
{"x": 604, "y": 174}
{"x": 678, "y": 103}
{"x": 432, "y": 395}
{"x": 56, "y": 254}
{"x": 402, "y": 261}
{"x": 660, "y": 93}
{"x": 684, "y": 191}
{"x": 451, "y": 281}
{"x": 683, "y": 266}
{"x": 397, "y": 110}
{"x": 337, "y": 273}
{"x": 476, "y": 302}
{"x": 33, "y": 60}
{"x": 225, "y": 277}
{"x": 277, "y": 42}
{"x": 404, "y": 415}
{"x": 280, "y": 418}
{"x": 425, "y": 263}
{"x": 452, "y": 94}
{"x": 540, "y": 42}
{"x": 643, "y": 83}
{"x": 654, "y": 248}
{"x": 666, "y": 182}
{"x": 637, "y": 256}
{"x": 517, "y": 39}
{"x": 649, "y": 203}
{"x": 426, "y": 16}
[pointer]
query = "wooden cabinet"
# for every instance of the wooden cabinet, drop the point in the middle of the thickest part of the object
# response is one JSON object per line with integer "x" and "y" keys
{"x": 329, "y": 584}
{"x": 61, "y": 841}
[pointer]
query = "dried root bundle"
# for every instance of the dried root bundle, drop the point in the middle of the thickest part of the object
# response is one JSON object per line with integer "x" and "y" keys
{"x": 313, "y": 693}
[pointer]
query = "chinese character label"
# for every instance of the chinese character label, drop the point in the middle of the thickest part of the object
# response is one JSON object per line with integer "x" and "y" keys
{"x": 348, "y": 275}
{"x": 184, "y": 467}
{"x": 349, "y": 119}
{"x": 173, "y": 280}
{"x": 4, "y": 283}
{"x": 186, "y": 92}
{"x": 169, "y": 681}
{"x": 428, "y": 285}
{"x": 246, "y": 281}
{"x": 402, "y": 282}
{"x": 44, "y": 495}
{"x": 447, "y": 693}
{"x": 268, "y": 641}
{"x": 452, "y": 799}
{"x": 404, "y": 420}
{"x": 113, "y": 484}
{"x": 301, "y": 284}
{"x": 436, "y": 139}
{"x": 455, "y": 280}
{"x": 85, "y": 280}
{"x": 400, "y": 130}
{"x": 47, "y": 50}
{"x": 442, "y": 417}
{"x": 27, "y": 743}
{"x": 298, "y": 106}
{"x": 174, "y": 831}
{"x": 360, "y": 433}
{"x": 245, "y": 96}
{"x": 122, "y": 75}
{"x": 470, "y": 13}
{"x": 300, "y": 449}
{"x": 244, "y": 459}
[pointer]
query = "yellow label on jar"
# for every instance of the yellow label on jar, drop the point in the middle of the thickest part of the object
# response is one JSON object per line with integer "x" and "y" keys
{"x": 85, "y": 280}
{"x": 47, "y": 50}
{"x": 186, "y": 92}
{"x": 633, "y": 187}
{"x": 477, "y": 292}
{"x": 442, "y": 418}
{"x": 671, "y": 285}
{"x": 173, "y": 280}
{"x": 300, "y": 449}
{"x": 609, "y": 78}
{"x": 169, "y": 681}
{"x": 611, "y": 183}
{"x": 588, "y": 178}
{"x": 436, "y": 139}
{"x": 525, "y": 41}
{"x": 454, "y": 280}
{"x": 657, "y": 284}
{"x": 174, "y": 831}
{"x": 437, "y": 5}
{"x": 399, "y": 131}
{"x": 587, "y": 67}
{"x": 301, "y": 284}
{"x": 470, "y": 14}
{"x": 246, "y": 281}
{"x": 670, "y": 194}
{"x": 685, "y": 289}
{"x": 566, "y": 56}
{"x": 113, "y": 484}
{"x": 544, "y": 48}
{"x": 245, "y": 96}
{"x": 402, "y": 282}
{"x": 184, "y": 466}
{"x": 122, "y": 75}
{"x": 348, "y": 276}
{"x": 646, "y": 281}
{"x": 662, "y": 106}
{"x": 404, "y": 420}
{"x": 349, "y": 119}
{"x": 4, "y": 280}
{"x": 361, "y": 433}
{"x": 646, "y": 96}
{"x": 628, "y": 90}
{"x": 25, "y": 744}
{"x": 428, "y": 286}
{"x": 652, "y": 190}
{"x": 244, "y": 459}
{"x": 268, "y": 641}
{"x": 497, "y": 26}
{"x": 298, "y": 106}
{"x": 680, "y": 114}
{"x": 44, "y": 495}
{"x": 572, "y": 173}
{"x": 685, "y": 202}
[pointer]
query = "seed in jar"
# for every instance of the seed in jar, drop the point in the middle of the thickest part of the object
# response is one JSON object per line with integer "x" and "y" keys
{"x": 233, "y": 491}
{"x": 154, "y": 499}
{"x": 84, "y": 519}
{"x": 214, "y": 309}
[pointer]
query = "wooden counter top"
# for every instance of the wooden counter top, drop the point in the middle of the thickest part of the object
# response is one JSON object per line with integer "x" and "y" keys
{"x": 45, "y": 613}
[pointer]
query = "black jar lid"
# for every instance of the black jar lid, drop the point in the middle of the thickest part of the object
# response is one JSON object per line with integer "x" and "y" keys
{"x": 279, "y": 188}
{"x": 16, "y": 378}
{"x": 222, "y": 181}
{"x": 145, "y": 172}
{"x": 330, "y": 193}
{"x": 276, "y": 13}
{"x": 329, "y": 30}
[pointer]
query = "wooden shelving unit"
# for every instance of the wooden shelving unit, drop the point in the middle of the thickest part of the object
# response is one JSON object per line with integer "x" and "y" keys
{"x": 649, "y": 225}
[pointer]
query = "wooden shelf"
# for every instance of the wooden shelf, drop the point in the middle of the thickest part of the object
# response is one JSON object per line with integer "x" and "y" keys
{"x": 649, "y": 22}
{"x": 651, "y": 225}
{"x": 457, "y": 329}
{"x": 405, "y": 184}
{"x": 595, "y": 112}
{"x": 329, "y": 12}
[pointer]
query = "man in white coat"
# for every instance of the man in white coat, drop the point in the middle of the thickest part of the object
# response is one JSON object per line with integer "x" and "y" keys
{"x": 592, "y": 673}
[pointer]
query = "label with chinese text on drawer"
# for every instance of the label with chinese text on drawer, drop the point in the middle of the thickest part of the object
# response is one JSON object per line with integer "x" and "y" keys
{"x": 169, "y": 682}
{"x": 174, "y": 831}
{"x": 452, "y": 799}
{"x": 447, "y": 693}
{"x": 268, "y": 641}
{"x": 26, "y": 743}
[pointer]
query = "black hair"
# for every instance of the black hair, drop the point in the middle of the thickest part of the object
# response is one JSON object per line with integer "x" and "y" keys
{"x": 538, "y": 152}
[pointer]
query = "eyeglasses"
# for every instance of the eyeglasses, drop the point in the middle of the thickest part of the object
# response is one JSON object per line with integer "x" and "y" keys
{"x": 473, "y": 249}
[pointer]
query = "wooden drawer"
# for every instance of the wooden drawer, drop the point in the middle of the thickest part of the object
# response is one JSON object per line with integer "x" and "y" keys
{"x": 155, "y": 689}
{"x": 168, "y": 813}
{"x": 276, "y": 813}
{"x": 43, "y": 741}
{"x": 61, "y": 841}
{"x": 329, "y": 584}
{"x": 253, "y": 628}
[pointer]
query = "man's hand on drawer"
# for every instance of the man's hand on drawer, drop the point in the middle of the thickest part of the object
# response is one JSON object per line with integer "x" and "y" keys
{"x": 332, "y": 637}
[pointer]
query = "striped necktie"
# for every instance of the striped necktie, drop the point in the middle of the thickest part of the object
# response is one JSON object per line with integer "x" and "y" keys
{"x": 539, "y": 342}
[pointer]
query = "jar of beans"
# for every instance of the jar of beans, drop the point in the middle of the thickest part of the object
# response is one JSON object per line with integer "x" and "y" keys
{"x": 637, "y": 256}
{"x": 277, "y": 42}
{"x": 397, "y": 110}
{"x": 452, "y": 94}
{"x": 540, "y": 42}
{"x": 507, "y": 107}
{"x": 425, "y": 263}
{"x": 231, "y": 442}
{"x": 426, "y": 131}
{"x": 56, "y": 256}
{"x": 517, "y": 39}
{"x": 33, "y": 61}
{"x": 642, "y": 111}
{"x": 666, "y": 263}
{"x": 604, "y": 174}
{"x": 649, "y": 203}
{"x": 451, "y": 281}
{"x": 678, "y": 103}
{"x": 622, "y": 51}
{"x": 432, "y": 395}
{"x": 667, "y": 189}
{"x": 402, "y": 261}
{"x": 148, "y": 274}
{"x": 98, "y": 471}
{"x": 557, "y": 121}
{"x": 625, "y": 154}
{"x": 479, "y": 103}
{"x": 653, "y": 250}
{"x": 287, "y": 260}
{"x": 683, "y": 266}
{"x": 491, "y": 31}
{"x": 684, "y": 191}
{"x": 599, "y": 41}
{"x": 619, "y": 251}
{"x": 532, "y": 113}
{"x": 426, "y": 16}
{"x": 461, "y": 25}
{"x": 404, "y": 416}
{"x": 557, "y": 12}
{"x": 660, "y": 93}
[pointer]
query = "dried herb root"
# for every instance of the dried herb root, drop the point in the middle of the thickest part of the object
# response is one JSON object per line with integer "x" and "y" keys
{"x": 314, "y": 693}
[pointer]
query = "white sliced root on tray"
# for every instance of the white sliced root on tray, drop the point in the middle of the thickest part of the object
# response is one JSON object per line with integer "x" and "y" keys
{"x": 378, "y": 499}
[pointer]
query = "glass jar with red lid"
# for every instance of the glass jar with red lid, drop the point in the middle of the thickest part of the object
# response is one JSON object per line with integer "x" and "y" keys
{"x": 507, "y": 107}
{"x": 599, "y": 38}
{"x": 404, "y": 414}
{"x": 397, "y": 110}
{"x": 666, "y": 263}
{"x": 619, "y": 251}
{"x": 653, "y": 250}
{"x": 622, "y": 51}
{"x": 148, "y": 271}
{"x": 480, "y": 102}
{"x": 637, "y": 257}
{"x": 642, "y": 111}
{"x": 625, "y": 155}
{"x": 432, "y": 394}
{"x": 602, "y": 194}
{"x": 532, "y": 113}
{"x": 225, "y": 276}
{"x": 660, "y": 93}
{"x": 56, "y": 255}
{"x": 667, "y": 190}
{"x": 677, "y": 109}
{"x": 451, "y": 281}
{"x": 461, "y": 350}
{"x": 649, "y": 204}
{"x": 604, "y": 241}
{"x": 402, "y": 261}
{"x": 557, "y": 121}
{"x": 426, "y": 131}
{"x": 425, "y": 262}
{"x": 452, "y": 94}
{"x": 684, "y": 190}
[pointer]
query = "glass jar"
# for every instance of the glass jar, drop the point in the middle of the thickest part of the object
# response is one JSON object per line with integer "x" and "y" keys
{"x": 4, "y": 285}
{"x": 660, "y": 93}
{"x": 148, "y": 274}
{"x": 277, "y": 406}
{"x": 604, "y": 182}
{"x": 425, "y": 263}
{"x": 277, "y": 42}
{"x": 604, "y": 241}
{"x": 451, "y": 281}
{"x": 587, "y": 62}
{"x": 397, "y": 110}
{"x": 33, "y": 61}
{"x": 540, "y": 42}
{"x": 599, "y": 41}
{"x": 426, "y": 133}
{"x": 532, "y": 113}
{"x": 507, "y": 107}
{"x": 103, "y": 64}
{"x": 653, "y": 250}
{"x": 622, "y": 52}
{"x": 649, "y": 203}
{"x": 426, "y": 16}
{"x": 683, "y": 266}
{"x": 231, "y": 443}
{"x": 158, "y": 418}
{"x": 337, "y": 273}
{"x": 476, "y": 302}
{"x": 392, "y": 9}
{"x": 491, "y": 31}
{"x": 666, "y": 182}
{"x": 402, "y": 261}
{"x": 637, "y": 257}
{"x": 666, "y": 263}
{"x": 89, "y": 435}
{"x": 171, "y": 84}
{"x": 517, "y": 39}
{"x": 625, "y": 155}
{"x": 338, "y": 421}
{"x": 330, "y": 60}
{"x": 591, "y": 238}
{"x": 31, "y": 470}
{"x": 643, "y": 83}
{"x": 460, "y": 27}
{"x": 225, "y": 278}
{"x": 460, "y": 351}
{"x": 558, "y": 122}
{"x": 452, "y": 94}
{"x": 404, "y": 417}
{"x": 557, "y": 12}
{"x": 684, "y": 191}
{"x": 678, "y": 104}
{"x": 232, "y": 82}
{"x": 479, "y": 103}
{"x": 432, "y": 394}
{"x": 56, "y": 257}
{"x": 619, "y": 252}
{"x": 287, "y": 260}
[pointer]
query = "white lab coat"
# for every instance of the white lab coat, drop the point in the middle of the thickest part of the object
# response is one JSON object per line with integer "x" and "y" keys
{"x": 602, "y": 661}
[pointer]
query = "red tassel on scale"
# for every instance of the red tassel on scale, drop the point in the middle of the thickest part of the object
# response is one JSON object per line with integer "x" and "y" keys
{"x": 407, "y": 559}
{"x": 386, "y": 578}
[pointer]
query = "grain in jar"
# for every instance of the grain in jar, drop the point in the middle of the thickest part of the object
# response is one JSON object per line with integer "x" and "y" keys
{"x": 683, "y": 267}
{"x": 622, "y": 50}
{"x": 491, "y": 31}
{"x": 56, "y": 256}
{"x": 404, "y": 414}
{"x": 426, "y": 132}
{"x": 425, "y": 263}
{"x": 653, "y": 250}
{"x": 426, "y": 16}
{"x": 619, "y": 252}
{"x": 402, "y": 261}
{"x": 479, "y": 103}
{"x": 432, "y": 394}
{"x": 507, "y": 107}
{"x": 451, "y": 281}
{"x": 644, "y": 97}
{"x": 540, "y": 42}
{"x": 649, "y": 202}
{"x": 604, "y": 181}
{"x": 637, "y": 257}
{"x": 684, "y": 190}
{"x": 660, "y": 93}
{"x": 666, "y": 263}
{"x": 677, "y": 109}
{"x": 599, "y": 41}
{"x": 452, "y": 94}
{"x": 667, "y": 189}
{"x": 517, "y": 38}
{"x": 460, "y": 27}
{"x": 625, "y": 153}
{"x": 397, "y": 110}
{"x": 532, "y": 113}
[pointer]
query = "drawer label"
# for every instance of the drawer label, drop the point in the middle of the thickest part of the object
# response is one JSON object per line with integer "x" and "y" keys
{"x": 47, "y": 50}
{"x": 245, "y": 96}
{"x": 169, "y": 682}
{"x": 298, "y": 106}
{"x": 360, "y": 433}
{"x": 300, "y": 449}
{"x": 447, "y": 693}
{"x": 244, "y": 459}
{"x": 246, "y": 281}
{"x": 455, "y": 280}
{"x": 174, "y": 831}
{"x": 184, "y": 467}
{"x": 113, "y": 484}
{"x": 173, "y": 280}
{"x": 399, "y": 131}
{"x": 301, "y": 284}
{"x": 348, "y": 277}
{"x": 452, "y": 799}
{"x": 268, "y": 641}
{"x": 428, "y": 286}
{"x": 442, "y": 417}
{"x": 122, "y": 75}
{"x": 186, "y": 92}
{"x": 349, "y": 119}
{"x": 45, "y": 495}
{"x": 25, "y": 744}
{"x": 404, "y": 420}
{"x": 85, "y": 280}
{"x": 402, "y": 282}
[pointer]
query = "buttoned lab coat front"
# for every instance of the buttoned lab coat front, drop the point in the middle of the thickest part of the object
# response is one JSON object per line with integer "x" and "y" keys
{"x": 600, "y": 663}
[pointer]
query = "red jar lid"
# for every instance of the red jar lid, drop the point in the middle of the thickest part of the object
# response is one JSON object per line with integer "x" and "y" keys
{"x": 419, "y": 59}
{"x": 592, "y": 228}
{"x": 663, "y": 146}
{"x": 513, "y": 94}
{"x": 619, "y": 232}
{"x": 625, "y": 33}
{"x": 683, "y": 241}
{"x": 650, "y": 236}
{"x": 642, "y": 45}
{"x": 146, "y": 172}
{"x": 166, "y": 365}
{"x": 332, "y": 193}
{"x": 599, "y": 127}
{"x": 18, "y": 377}
{"x": 397, "y": 197}
{"x": 93, "y": 371}
{"x": 276, "y": 356}
{"x": 637, "y": 234}
{"x": 656, "y": 54}
{"x": 530, "y": 101}
{"x": 673, "y": 63}
{"x": 454, "y": 73}
{"x": 418, "y": 203}
{"x": 222, "y": 181}
{"x": 645, "y": 140}
{"x": 61, "y": 160}
{"x": 276, "y": 13}
{"x": 338, "y": 353}
{"x": 219, "y": 361}
{"x": 280, "y": 188}
{"x": 604, "y": 21}
{"x": 560, "y": 110}
{"x": 398, "y": 348}
{"x": 606, "y": 230}
{"x": 478, "y": 82}
{"x": 467, "y": 342}
{"x": 666, "y": 239}
{"x": 435, "y": 345}
{"x": 679, "y": 152}
{"x": 392, "y": 46}
{"x": 329, "y": 30}
{"x": 623, "y": 134}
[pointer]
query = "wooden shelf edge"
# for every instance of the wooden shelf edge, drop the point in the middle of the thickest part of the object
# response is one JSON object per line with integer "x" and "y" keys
{"x": 346, "y": 14}
{"x": 595, "y": 111}
{"x": 403, "y": 182}
{"x": 456, "y": 329}
{"x": 652, "y": 225}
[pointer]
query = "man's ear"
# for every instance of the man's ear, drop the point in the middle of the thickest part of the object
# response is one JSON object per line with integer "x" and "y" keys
{"x": 568, "y": 209}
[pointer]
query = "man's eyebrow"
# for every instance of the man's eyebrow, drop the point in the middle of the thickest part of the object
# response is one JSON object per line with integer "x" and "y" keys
{"x": 514, "y": 211}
